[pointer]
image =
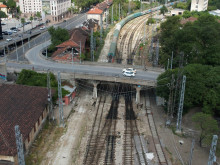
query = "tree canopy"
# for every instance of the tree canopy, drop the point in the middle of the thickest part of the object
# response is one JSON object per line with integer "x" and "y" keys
{"x": 58, "y": 36}
{"x": 207, "y": 126}
{"x": 32, "y": 78}
{"x": 202, "y": 87}
{"x": 163, "y": 10}
{"x": 3, "y": 15}
{"x": 199, "y": 40}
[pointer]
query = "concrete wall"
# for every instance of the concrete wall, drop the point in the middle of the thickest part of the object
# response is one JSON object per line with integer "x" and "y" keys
{"x": 94, "y": 16}
{"x": 199, "y": 5}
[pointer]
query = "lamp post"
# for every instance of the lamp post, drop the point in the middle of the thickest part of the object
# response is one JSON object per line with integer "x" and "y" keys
{"x": 80, "y": 53}
{"x": 16, "y": 50}
{"x": 22, "y": 43}
{"x": 72, "y": 57}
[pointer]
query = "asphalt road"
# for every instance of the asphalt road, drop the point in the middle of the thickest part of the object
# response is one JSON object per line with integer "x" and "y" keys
{"x": 41, "y": 64}
{"x": 69, "y": 24}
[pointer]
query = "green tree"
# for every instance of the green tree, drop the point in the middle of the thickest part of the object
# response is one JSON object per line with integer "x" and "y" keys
{"x": 38, "y": 15}
{"x": 32, "y": 78}
{"x": 187, "y": 14}
{"x": 207, "y": 127}
{"x": 202, "y": 87}
{"x": 199, "y": 40}
{"x": 58, "y": 36}
{"x": 23, "y": 22}
{"x": 11, "y": 4}
{"x": 3, "y": 15}
{"x": 150, "y": 21}
{"x": 163, "y": 10}
{"x": 31, "y": 19}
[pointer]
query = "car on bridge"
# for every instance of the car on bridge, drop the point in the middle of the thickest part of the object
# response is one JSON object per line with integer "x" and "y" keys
{"x": 128, "y": 74}
{"x": 129, "y": 70}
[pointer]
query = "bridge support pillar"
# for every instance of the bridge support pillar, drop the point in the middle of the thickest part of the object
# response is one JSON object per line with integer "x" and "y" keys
{"x": 95, "y": 92}
{"x": 138, "y": 95}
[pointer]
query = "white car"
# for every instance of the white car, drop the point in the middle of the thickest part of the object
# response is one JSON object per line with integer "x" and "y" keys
{"x": 42, "y": 27}
{"x": 129, "y": 70}
{"x": 9, "y": 39}
{"x": 128, "y": 74}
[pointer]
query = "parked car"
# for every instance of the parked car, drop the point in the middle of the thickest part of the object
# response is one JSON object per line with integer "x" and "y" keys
{"x": 42, "y": 27}
{"x": 13, "y": 28}
{"x": 128, "y": 74}
{"x": 2, "y": 23}
{"x": 8, "y": 33}
{"x": 9, "y": 39}
{"x": 129, "y": 70}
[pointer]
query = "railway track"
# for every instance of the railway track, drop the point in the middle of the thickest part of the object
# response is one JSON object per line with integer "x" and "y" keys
{"x": 126, "y": 40}
{"x": 134, "y": 147}
{"x": 101, "y": 145}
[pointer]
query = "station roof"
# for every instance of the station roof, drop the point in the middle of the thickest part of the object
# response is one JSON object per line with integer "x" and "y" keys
{"x": 95, "y": 11}
{"x": 20, "y": 105}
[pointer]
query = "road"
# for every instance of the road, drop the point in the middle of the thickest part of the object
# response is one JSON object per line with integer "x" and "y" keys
{"x": 41, "y": 64}
{"x": 19, "y": 54}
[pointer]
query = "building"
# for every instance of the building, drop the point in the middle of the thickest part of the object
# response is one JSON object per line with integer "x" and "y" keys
{"x": 215, "y": 12}
{"x": 72, "y": 93}
{"x": 190, "y": 19}
{"x": 199, "y": 5}
{"x": 3, "y": 8}
{"x": 79, "y": 37}
{"x": 21, "y": 105}
{"x": 55, "y": 10}
{"x": 175, "y": 12}
{"x": 99, "y": 11}
{"x": 95, "y": 13}
{"x": 91, "y": 24}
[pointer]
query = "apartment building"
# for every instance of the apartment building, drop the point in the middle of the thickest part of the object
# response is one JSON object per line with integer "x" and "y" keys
{"x": 199, "y": 5}
{"x": 54, "y": 10}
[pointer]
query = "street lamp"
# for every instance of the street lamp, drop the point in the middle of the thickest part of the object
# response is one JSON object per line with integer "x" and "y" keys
{"x": 72, "y": 56}
{"x": 16, "y": 50}
{"x": 22, "y": 43}
{"x": 80, "y": 53}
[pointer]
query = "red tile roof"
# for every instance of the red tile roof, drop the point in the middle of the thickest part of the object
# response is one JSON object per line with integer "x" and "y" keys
{"x": 95, "y": 11}
{"x": 3, "y": 6}
{"x": 20, "y": 105}
{"x": 68, "y": 43}
{"x": 190, "y": 19}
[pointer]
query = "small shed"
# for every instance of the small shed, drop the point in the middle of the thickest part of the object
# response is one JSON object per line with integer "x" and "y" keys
{"x": 72, "y": 93}
{"x": 175, "y": 12}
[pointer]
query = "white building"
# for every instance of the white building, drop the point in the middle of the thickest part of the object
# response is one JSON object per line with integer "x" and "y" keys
{"x": 215, "y": 12}
{"x": 95, "y": 13}
{"x": 175, "y": 12}
{"x": 55, "y": 10}
{"x": 199, "y": 5}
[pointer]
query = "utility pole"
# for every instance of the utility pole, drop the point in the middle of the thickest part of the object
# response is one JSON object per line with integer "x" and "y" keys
{"x": 156, "y": 54}
{"x": 29, "y": 41}
{"x": 212, "y": 157}
{"x": 107, "y": 13}
{"x": 91, "y": 46}
{"x": 178, "y": 81}
{"x": 119, "y": 17}
{"x": 129, "y": 7}
{"x": 168, "y": 63}
{"x": 171, "y": 62}
{"x": 61, "y": 117}
{"x": 80, "y": 52}
{"x": 191, "y": 152}
{"x": 170, "y": 102}
{"x": 19, "y": 143}
{"x": 101, "y": 28}
{"x": 141, "y": 5}
{"x": 49, "y": 95}
{"x": 112, "y": 15}
{"x": 72, "y": 57}
{"x": 145, "y": 33}
{"x": 180, "y": 109}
